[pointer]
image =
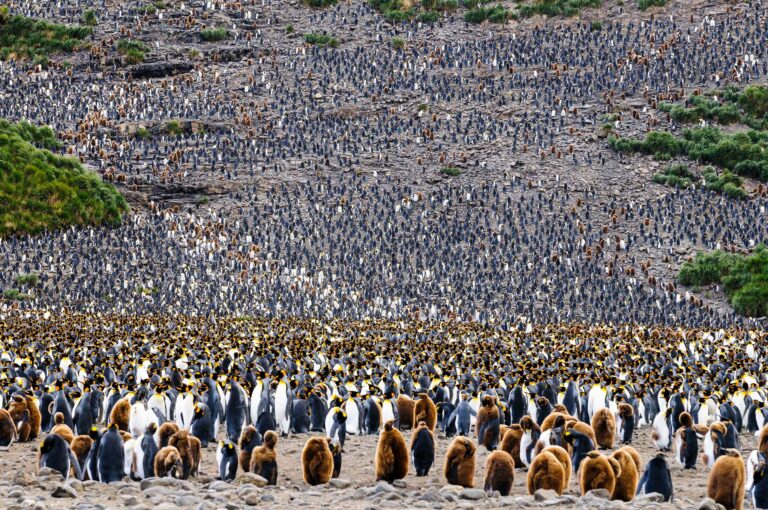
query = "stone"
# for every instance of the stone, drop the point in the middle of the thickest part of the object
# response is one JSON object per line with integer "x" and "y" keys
{"x": 652, "y": 497}
{"x": 64, "y": 491}
{"x": 545, "y": 495}
{"x": 472, "y": 494}
{"x": 252, "y": 499}
{"x": 709, "y": 504}
{"x": 258, "y": 481}
{"x": 23, "y": 478}
{"x": 186, "y": 500}
{"x": 598, "y": 494}
{"x": 219, "y": 486}
{"x": 160, "y": 69}
{"x": 76, "y": 484}
{"x": 267, "y": 497}
{"x": 340, "y": 483}
{"x": 400, "y": 484}
{"x": 163, "y": 492}
{"x": 131, "y": 501}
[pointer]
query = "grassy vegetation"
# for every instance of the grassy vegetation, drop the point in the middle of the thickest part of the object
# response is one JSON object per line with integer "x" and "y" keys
{"x": 555, "y": 7}
{"x": 726, "y": 183}
{"x": 27, "y": 280}
{"x": 142, "y": 133}
{"x": 744, "y": 278}
{"x": 427, "y": 11}
{"x": 321, "y": 40}
{"x": 744, "y": 153}
{"x": 450, "y": 171}
{"x": 319, "y": 4}
{"x": 676, "y": 176}
{"x": 214, "y": 34}
{"x": 731, "y": 106}
{"x": 646, "y": 4}
{"x": 89, "y": 18}
{"x": 496, "y": 14}
{"x": 398, "y": 43}
{"x": 173, "y": 127}
{"x": 16, "y": 295}
{"x": 43, "y": 191}
{"x": 36, "y": 40}
{"x": 133, "y": 51}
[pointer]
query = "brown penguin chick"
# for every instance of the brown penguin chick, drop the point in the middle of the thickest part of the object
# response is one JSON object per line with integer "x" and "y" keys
{"x": 584, "y": 428}
{"x": 165, "y": 432}
{"x": 264, "y": 458}
{"x": 553, "y": 420}
{"x": 317, "y": 461}
{"x": 245, "y": 450}
{"x": 546, "y": 472}
{"x": 19, "y": 410}
{"x": 168, "y": 463}
{"x": 762, "y": 440}
{"x": 487, "y": 423}
{"x": 125, "y": 435}
{"x": 626, "y": 481}
{"x": 121, "y": 414}
{"x": 499, "y": 472}
{"x": 391, "y": 454}
{"x": 561, "y": 454}
{"x": 81, "y": 446}
{"x": 8, "y": 432}
{"x": 62, "y": 428}
{"x": 560, "y": 408}
{"x": 510, "y": 442}
{"x": 183, "y": 444}
{"x": 197, "y": 455}
{"x": 718, "y": 430}
{"x": 405, "y": 410}
{"x": 726, "y": 480}
{"x": 35, "y": 418}
{"x": 635, "y": 457}
{"x": 604, "y": 425}
{"x": 598, "y": 472}
{"x": 459, "y": 465}
{"x": 426, "y": 411}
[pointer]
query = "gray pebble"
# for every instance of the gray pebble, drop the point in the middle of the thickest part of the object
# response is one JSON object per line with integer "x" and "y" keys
{"x": 64, "y": 491}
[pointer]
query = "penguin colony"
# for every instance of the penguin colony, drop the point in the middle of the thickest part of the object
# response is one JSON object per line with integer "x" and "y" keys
{"x": 139, "y": 403}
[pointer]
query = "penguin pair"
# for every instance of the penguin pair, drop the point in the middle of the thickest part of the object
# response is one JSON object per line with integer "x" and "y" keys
{"x": 550, "y": 470}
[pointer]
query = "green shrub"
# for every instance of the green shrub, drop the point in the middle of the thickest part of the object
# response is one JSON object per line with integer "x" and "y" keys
{"x": 555, "y": 7}
{"x": 289, "y": 29}
{"x": 89, "y": 18}
{"x": 40, "y": 190}
{"x": 428, "y": 17}
{"x": 173, "y": 127}
{"x": 319, "y": 4}
{"x": 125, "y": 46}
{"x": 214, "y": 34}
{"x": 754, "y": 100}
{"x": 321, "y": 40}
{"x": 646, "y": 4}
{"x": 450, "y": 171}
{"x": 596, "y": 26}
{"x": 26, "y": 38}
{"x": 142, "y": 133}
{"x": 5, "y": 14}
{"x": 726, "y": 183}
{"x": 744, "y": 278}
{"x": 398, "y": 43}
{"x": 15, "y": 295}
{"x": 27, "y": 280}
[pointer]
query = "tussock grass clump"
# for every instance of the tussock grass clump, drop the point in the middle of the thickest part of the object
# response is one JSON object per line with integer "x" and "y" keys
{"x": 555, "y": 7}
{"x": 676, "y": 176}
{"x": 214, "y": 34}
{"x": 450, "y": 171}
{"x": 321, "y": 40}
{"x": 36, "y": 40}
{"x": 41, "y": 191}
{"x": 744, "y": 278}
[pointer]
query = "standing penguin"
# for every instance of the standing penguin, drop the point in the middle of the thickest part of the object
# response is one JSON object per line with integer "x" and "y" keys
{"x": 510, "y": 442}
{"x": 657, "y": 478}
{"x": 391, "y": 454}
{"x": 111, "y": 456}
{"x": 264, "y": 458}
{"x": 627, "y": 477}
{"x": 727, "y": 479}
{"x": 249, "y": 440}
{"x": 604, "y": 426}
{"x": 626, "y": 423}
{"x": 759, "y": 488}
{"x": 318, "y": 408}
{"x": 463, "y": 415}
{"x": 336, "y": 425}
{"x": 459, "y": 466}
{"x": 300, "y": 419}
{"x": 54, "y": 453}
{"x": 283, "y": 407}
{"x": 317, "y": 461}
{"x": 422, "y": 449}
{"x": 499, "y": 473}
{"x": 426, "y": 411}
{"x": 488, "y": 423}
{"x": 662, "y": 430}
{"x": 201, "y": 424}
{"x": 144, "y": 452}
{"x": 546, "y": 472}
{"x": 686, "y": 442}
{"x": 226, "y": 459}
{"x": 235, "y": 411}
{"x": 371, "y": 415}
{"x": 598, "y": 472}
{"x": 8, "y": 431}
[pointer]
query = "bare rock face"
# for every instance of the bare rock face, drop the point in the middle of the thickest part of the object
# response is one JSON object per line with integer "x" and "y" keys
{"x": 160, "y": 69}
